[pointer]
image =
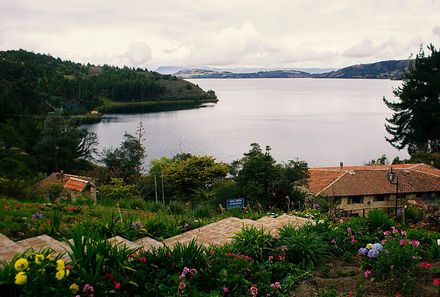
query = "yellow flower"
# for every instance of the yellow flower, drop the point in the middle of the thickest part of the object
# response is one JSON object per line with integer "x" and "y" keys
{"x": 39, "y": 258}
{"x": 60, "y": 264}
{"x": 21, "y": 264}
{"x": 60, "y": 274}
{"x": 369, "y": 246}
{"x": 20, "y": 278}
{"x": 67, "y": 272}
{"x": 50, "y": 257}
{"x": 74, "y": 288}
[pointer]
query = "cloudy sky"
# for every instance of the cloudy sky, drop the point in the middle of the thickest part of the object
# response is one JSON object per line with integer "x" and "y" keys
{"x": 221, "y": 33}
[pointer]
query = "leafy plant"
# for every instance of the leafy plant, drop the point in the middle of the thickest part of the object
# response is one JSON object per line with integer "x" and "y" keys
{"x": 377, "y": 219}
{"x": 304, "y": 247}
{"x": 253, "y": 242}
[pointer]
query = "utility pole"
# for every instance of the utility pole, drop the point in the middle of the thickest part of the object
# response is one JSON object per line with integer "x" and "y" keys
{"x": 163, "y": 194}
{"x": 155, "y": 188}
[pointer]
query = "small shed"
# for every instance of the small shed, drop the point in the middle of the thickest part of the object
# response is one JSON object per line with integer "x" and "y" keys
{"x": 74, "y": 185}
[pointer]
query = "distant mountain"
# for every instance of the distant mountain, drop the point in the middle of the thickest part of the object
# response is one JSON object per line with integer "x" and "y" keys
{"x": 393, "y": 69}
{"x": 204, "y": 73}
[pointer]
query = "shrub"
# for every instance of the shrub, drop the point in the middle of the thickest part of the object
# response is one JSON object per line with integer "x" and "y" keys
{"x": 413, "y": 215}
{"x": 117, "y": 190}
{"x": 304, "y": 247}
{"x": 132, "y": 203}
{"x": 377, "y": 219}
{"x": 253, "y": 242}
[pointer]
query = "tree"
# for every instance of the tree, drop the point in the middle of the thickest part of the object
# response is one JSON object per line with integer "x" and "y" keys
{"x": 125, "y": 161}
{"x": 62, "y": 145}
{"x": 416, "y": 118}
{"x": 192, "y": 176}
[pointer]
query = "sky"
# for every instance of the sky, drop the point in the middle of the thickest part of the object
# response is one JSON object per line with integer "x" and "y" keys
{"x": 221, "y": 33}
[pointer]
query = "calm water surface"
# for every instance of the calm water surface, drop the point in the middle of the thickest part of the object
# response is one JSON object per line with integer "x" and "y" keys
{"x": 321, "y": 121}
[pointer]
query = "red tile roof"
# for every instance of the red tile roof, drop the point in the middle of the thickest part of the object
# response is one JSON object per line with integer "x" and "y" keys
{"x": 372, "y": 180}
{"x": 76, "y": 184}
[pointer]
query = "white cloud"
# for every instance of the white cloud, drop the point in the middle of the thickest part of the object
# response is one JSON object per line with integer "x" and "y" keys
{"x": 139, "y": 53}
{"x": 316, "y": 33}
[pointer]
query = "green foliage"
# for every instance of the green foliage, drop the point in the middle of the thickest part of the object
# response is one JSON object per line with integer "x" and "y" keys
{"x": 304, "y": 247}
{"x": 62, "y": 144}
{"x": 117, "y": 190}
{"x": 418, "y": 110}
{"x": 264, "y": 181}
{"x": 125, "y": 161}
{"x": 377, "y": 219}
{"x": 413, "y": 215}
{"x": 253, "y": 242}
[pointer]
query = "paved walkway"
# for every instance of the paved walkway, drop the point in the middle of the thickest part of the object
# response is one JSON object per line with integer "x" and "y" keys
{"x": 217, "y": 233}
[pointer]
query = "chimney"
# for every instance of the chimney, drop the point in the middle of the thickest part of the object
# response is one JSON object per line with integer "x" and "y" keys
{"x": 341, "y": 165}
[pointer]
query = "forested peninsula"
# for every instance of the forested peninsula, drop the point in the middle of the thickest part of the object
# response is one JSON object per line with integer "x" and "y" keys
{"x": 34, "y": 84}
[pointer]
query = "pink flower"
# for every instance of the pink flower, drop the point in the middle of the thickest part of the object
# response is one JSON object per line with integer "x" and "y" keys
{"x": 402, "y": 241}
{"x": 333, "y": 241}
{"x": 182, "y": 286}
{"x": 403, "y": 232}
{"x": 349, "y": 230}
{"x": 143, "y": 259}
{"x": 254, "y": 290}
{"x": 367, "y": 273}
{"x": 353, "y": 240}
{"x": 436, "y": 282}
{"x": 182, "y": 276}
{"x": 394, "y": 230}
{"x": 350, "y": 293}
{"x": 117, "y": 285}
{"x": 193, "y": 271}
{"x": 225, "y": 290}
{"x": 382, "y": 242}
{"x": 398, "y": 294}
{"x": 415, "y": 243}
{"x": 270, "y": 258}
{"x": 425, "y": 265}
{"x": 186, "y": 270}
{"x": 387, "y": 233}
{"x": 284, "y": 248}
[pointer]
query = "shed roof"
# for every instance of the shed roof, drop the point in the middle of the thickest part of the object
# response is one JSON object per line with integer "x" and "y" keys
{"x": 76, "y": 184}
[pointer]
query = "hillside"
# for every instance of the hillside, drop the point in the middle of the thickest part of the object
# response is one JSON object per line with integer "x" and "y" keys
{"x": 34, "y": 84}
{"x": 203, "y": 73}
{"x": 393, "y": 69}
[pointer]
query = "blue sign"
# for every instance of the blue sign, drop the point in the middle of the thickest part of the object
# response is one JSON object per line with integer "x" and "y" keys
{"x": 235, "y": 203}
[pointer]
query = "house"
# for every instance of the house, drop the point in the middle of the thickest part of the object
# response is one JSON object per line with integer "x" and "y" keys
{"x": 356, "y": 189}
{"x": 74, "y": 185}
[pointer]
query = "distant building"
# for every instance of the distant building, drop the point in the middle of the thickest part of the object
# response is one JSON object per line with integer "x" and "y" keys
{"x": 73, "y": 184}
{"x": 356, "y": 189}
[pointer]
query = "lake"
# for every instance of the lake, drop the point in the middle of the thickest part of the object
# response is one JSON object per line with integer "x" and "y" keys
{"x": 321, "y": 121}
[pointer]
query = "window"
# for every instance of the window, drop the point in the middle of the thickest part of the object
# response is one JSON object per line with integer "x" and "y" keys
{"x": 380, "y": 198}
{"x": 356, "y": 200}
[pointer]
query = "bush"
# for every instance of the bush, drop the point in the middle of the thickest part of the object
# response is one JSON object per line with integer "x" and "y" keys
{"x": 413, "y": 215}
{"x": 304, "y": 247}
{"x": 377, "y": 219}
{"x": 117, "y": 190}
{"x": 253, "y": 242}
{"x": 132, "y": 203}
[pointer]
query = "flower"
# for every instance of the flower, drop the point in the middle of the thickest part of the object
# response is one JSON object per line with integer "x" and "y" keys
{"x": 425, "y": 265}
{"x": 182, "y": 286}
{"x": 436, "y": 282}
{"x": 349, "y": 230}
{"x": 284, "y": 248}
{"x": 254, "y": 290}
{"x": 394, "y": 230}
{"x": 225, "y": 290}
{"x": 21, "y": 264}
{"x": 350, "y": 293}
{"x": 37, "y": 216}
{"x": 60, "y": 274}
{"x": 377, "y": 246}
{"x": 39, "y": 258}
{"x": 369, "y": 246}
{"x": 275, "y": 285}
{"x": 74, "y": 288}
{"x": 363, "y": 251}
{"x": 50, "y": 257}
{"x": 367, "y": 273}
{"x": 143, "y": 259}
{"x": 88, "y": 289}
{"x": 333, "y": 241}
{"x": 353, "y": 240}
{"x": 60, "y": 264}
{"x": 398, "y": 294}
{"x": 403, "y": 232}
{"x": 117, "y": 285}
{"x": 415, "y": 243}
{"x": 387, "y": 233}
{"x": 20, "y": 278}
{"x": 373, "y": 253}
{"x": 402, "y": 241}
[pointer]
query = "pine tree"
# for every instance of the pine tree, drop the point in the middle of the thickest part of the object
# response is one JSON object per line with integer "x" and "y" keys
{"x": 416, "y": 120}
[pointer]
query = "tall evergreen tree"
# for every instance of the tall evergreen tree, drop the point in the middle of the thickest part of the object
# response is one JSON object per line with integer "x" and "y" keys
{"x": 416, "y": 120}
